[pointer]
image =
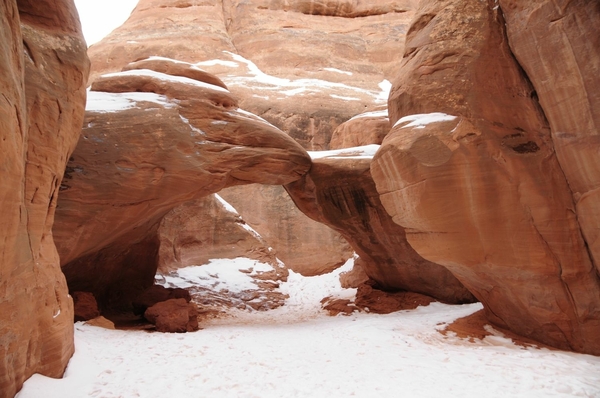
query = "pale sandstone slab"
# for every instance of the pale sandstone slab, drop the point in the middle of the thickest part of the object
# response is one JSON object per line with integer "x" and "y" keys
{"x": 304, "y": 245}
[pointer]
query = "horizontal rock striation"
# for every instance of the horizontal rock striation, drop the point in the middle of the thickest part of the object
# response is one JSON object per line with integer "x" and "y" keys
{"x": 334, "y": 63}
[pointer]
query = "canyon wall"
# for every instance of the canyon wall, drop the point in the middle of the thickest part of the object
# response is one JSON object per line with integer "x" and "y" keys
{"x": 474, "y": 169}
{"x": 44, "y": 70}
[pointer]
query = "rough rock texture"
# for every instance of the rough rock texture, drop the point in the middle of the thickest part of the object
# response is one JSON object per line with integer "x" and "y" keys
{"x": 152, "y": 141}
{"x": 355, "y": 277}
{"x": 304, "y": 245}
{"x": 43, "y": 69}
{"x": 208, "y": 228}
{"x": 483, "y": 193}
{"x": 173, "y": 316}
{"x": 558, "y": 46}
{"x": 369, "y": 299}
{"x": 364, "y": 129}
{"x": 101, "y": 322}
{"x": 340, "y": 192}
{"x": 336, "y": 54}
{"x": 85, "y": 305}
{"x": 157, "y": 293}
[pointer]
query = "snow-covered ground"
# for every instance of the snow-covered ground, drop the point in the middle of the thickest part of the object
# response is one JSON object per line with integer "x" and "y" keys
{"x": 298, "y": 351}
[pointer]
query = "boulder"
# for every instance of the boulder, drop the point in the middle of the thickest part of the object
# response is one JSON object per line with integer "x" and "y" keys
{"x": 173, "y": 316}
{"x": 44, "y": 68}
{"x": 336, "y": 62}
{"x": 152, "y": 141}
{"x": 339, "y": 192}
{"x": 470, "y": 171}
{"x": 156, "y": 294}
{"x": 85, "y": 306}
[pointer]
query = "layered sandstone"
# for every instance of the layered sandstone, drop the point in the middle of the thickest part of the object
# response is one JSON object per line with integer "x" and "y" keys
{"x": 44, "y": 69}
{"x": 152, "y": 141}
{"x": 339, "y": 192}
{"x": 470, "y": 171}
{"x": 333, "y": 65}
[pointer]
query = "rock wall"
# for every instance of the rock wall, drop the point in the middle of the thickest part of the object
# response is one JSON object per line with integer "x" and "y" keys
{"x": 470, "y": 170}
{"x": 304, "y": 245}
{"x": 558, "y": 46}
{"x": 44, "y": 69}
{"x": 304, "y": 66}
{"x": 195, "y": 232}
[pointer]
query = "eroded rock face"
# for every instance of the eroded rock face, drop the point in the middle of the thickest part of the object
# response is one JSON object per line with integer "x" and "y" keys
{"x": 304, "y": 245}
{"x": 85, "y": 305}
{"x": 339, "y": 191}
{"x": 209, "y": 228}
{"x": 364, "y": 129}
{"x": 152, "y": 141}
{"x": 559, "y": 48}
{"x": 334, "y": 65}
{"x": 473, "y": 177}
{"x": 44, "y": 68}
{"x": 173, "y": 316}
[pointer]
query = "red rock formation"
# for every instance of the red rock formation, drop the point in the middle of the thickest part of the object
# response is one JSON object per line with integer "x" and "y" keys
{"x": 304, "y": 245}
{"x": 173, "y": 316}
{"x": 151, "y": 142}
{"x": 335, "y": 57}
{"x": 44, "y": 69}
{"x": 340, "y": 193}
{"x": 156, "y": 294}
{"x": 364, "y": 129}
{"x": 86, "y": 306}
{"x": 482, "y": 192}
{"x": 558, "y": 46}
{"x": 208, "y": 228}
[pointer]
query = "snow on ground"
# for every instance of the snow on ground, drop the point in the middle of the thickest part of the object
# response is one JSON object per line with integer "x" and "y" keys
{"x": 298, "y": 351}
{"x": 359, "y": 152}
{"x": 219, "y": 274}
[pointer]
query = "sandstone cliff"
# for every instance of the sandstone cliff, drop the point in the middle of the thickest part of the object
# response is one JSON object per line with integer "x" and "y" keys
{"x": 305, "y": 66}
{"x": 482, "y": 182}
{"x": 44, "y": 69}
